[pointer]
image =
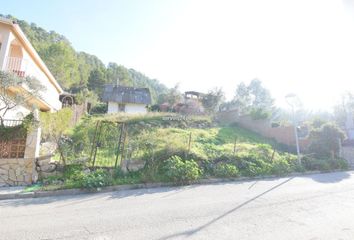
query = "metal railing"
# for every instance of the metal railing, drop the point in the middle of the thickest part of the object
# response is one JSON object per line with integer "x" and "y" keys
{"x": 10, "y": 122}
{"x": 16, "y": 65}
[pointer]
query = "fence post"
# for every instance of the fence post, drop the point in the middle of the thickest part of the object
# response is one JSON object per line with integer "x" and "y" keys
{"x": 235, "y": 142}
{"x": 94, "y": 140}
{"x": 189, "y": 142}
{"x": 96, "y": 143}
{"x": 340, "y": 154}
{"x": 273, "y": 155}
{"x": 119, "y": 143}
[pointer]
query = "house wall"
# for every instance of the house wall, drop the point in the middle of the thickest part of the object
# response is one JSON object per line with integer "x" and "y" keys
{"x": 22, "y": 171}
{"x": 135, "y": 108}
{"x": 50, "y": 95}
{"x": 113, "y": 107}
{"x": 17, "y": 56}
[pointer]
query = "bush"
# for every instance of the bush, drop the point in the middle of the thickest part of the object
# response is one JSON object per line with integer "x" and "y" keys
{"x": 74, "y": 172}
{"x": 225, "y": 170}
{"x": 254, "y": 164}
{"x": 324, "y": 164}
{"x": 280, "y": 167}
{"x": 96, "y": 179}
{"x": 100, "y": 108}
{"x": 259, "y": 114}
{"x": 325, "y": 140}
{"x": 180, "y": 171}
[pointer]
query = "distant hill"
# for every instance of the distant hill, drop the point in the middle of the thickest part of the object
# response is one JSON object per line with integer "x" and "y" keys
{"x": 79, "y": 70}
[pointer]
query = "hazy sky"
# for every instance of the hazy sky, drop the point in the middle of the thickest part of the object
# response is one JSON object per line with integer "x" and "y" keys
{"x": 300, "y": 46}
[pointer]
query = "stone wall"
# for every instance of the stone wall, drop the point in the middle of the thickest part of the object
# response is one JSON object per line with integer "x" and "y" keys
{"x": 22, "y": 171}
{"x": 16, "y": 171}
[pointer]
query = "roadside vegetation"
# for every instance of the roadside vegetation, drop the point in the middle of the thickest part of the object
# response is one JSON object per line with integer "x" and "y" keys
{"x": 181, "y": 151}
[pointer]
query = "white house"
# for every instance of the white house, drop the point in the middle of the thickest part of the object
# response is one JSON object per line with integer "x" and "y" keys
{"x": 126, "y": 99}
{"x": 18, "y": 56}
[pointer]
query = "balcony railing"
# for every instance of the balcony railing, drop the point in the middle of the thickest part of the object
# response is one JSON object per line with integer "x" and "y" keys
{"x": 16, "y": 65}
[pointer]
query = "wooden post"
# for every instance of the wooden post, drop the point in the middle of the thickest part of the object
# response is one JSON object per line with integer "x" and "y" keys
{"x": 119, "y": 143}
{"x": 98, "y": 140}
{"x": 340, "y": 148}
{"x": 94, "y": 145}
{"x": 235, "y": 142}
{"x": 189, "y": 142}
{"x": 123, "y": 146}
{"x": 273, "y": 155}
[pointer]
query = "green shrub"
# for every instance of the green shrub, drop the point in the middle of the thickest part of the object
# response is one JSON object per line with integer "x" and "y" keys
{"x": 100, "y": 108}
{"x": 325, "y": 140}
{"x": 280, "y": 167}
{"x": 254, "y": 164}
{"x": 74, "y": 172}
{"x": 96, "y": 179}
{"x": 180, "y": 171}
{"x": 324, "y": 164}
{"x": 225, "y": 170}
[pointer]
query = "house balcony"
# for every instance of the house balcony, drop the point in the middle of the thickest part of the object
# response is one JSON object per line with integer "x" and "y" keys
{"x": 17, "y": 66}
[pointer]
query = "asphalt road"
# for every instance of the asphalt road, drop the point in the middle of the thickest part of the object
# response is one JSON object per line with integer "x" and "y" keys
{"x": 312, "y": 207}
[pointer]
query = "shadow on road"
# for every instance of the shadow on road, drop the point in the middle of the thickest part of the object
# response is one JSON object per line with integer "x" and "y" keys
{"x": 194, "y": 231}
{"x": 87, "y": 197}
{"x": 169, "y": 192}
{"x": 329, "y": 177}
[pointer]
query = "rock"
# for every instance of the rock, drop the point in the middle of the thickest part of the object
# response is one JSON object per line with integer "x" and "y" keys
{"x": 3, "y": 172}
{"x": 12, "y": 175}
{"x": 48, "y": 168}
{"x": 48, "y": 148}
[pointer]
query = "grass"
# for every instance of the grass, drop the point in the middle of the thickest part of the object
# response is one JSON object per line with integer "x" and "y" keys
{"x": 33, "y": 188}
{"x": 151, "y": 133}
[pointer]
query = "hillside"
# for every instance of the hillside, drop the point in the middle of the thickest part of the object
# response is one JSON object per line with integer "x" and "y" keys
{"x": 198, "y": 136}
{"x": 76, "y": 71}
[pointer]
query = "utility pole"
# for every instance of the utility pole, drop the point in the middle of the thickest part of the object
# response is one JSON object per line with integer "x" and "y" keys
{"x": 292, "y": 105}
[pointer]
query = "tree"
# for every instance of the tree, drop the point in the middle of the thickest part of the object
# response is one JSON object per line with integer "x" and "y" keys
{"x": 212, "y": 100}
{"x": 88, "y": 96}
{"x": 344, "y": 110}
{"x": 12, "y": 95}
{"x": 253, "y": 99}
{"x": 62, "y": 61}
{"x": 156, "y": 88}
{"x": 54, "y": 126}
{"x": 115, "y": 72}
{"x": 174, "y": 95}
{"x": 325, "y": 140}
{"x": 97, "y": 80}
{"x": 73, "y": 70}
{"x": 242, "y": 98}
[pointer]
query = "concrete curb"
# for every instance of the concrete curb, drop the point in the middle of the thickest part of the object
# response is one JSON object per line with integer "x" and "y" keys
{"x": 66, "y": 192}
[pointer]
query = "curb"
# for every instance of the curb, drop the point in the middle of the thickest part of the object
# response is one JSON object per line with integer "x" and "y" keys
{"x": 75, "y": 191}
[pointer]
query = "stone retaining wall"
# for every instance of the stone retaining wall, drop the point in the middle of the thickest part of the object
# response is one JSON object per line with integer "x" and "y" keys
{"x": 17, "y": 171}
{"x": 22, "y": 171}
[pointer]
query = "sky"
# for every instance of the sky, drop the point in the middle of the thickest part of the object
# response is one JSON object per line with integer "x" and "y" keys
{"x": 304, "y": 47}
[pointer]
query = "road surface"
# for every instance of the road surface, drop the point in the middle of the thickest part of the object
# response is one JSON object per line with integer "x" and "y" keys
{"x": 311, "y": 207}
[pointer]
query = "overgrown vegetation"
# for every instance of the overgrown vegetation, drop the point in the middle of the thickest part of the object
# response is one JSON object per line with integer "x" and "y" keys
{"x": 54, "y": 127}
{"x": 17, "y": 131}
{"x": 326, "y": 139}
{"x": 180, "y": 151}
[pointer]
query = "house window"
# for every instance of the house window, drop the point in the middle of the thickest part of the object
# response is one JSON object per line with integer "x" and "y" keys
{"x": 121, "y": 107}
